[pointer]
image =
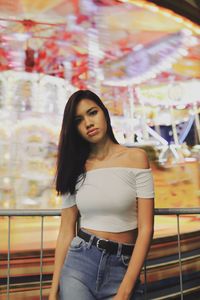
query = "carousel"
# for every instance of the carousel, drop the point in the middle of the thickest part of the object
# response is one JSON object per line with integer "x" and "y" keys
{"x": 143, "y": 61}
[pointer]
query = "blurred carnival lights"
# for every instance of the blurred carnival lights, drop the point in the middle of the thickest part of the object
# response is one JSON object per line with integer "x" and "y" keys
{"x": 44, "y": 89}
{"x": 168, "y": 52}
{"x": 165, "y": 12}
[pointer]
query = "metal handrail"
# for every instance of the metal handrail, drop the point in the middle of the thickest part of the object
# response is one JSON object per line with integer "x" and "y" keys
{"x": 30, "y": 212}
{"x": 57, "y": 212}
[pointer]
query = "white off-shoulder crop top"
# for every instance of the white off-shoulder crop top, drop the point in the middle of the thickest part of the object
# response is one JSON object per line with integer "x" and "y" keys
{"x": 106, "y": 199}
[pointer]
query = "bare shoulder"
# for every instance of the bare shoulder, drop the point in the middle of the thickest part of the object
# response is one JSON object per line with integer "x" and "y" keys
{"x": 138, "y": 158}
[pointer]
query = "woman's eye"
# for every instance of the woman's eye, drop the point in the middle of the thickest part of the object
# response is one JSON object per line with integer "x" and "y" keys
{"x": 94, "y": 112}
{"x": 77, "y": 121}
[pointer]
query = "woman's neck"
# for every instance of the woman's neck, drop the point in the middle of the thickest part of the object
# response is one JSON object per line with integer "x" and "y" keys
{"x": 102, "y": 150}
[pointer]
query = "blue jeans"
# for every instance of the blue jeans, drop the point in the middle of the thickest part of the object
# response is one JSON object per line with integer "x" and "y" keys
{"x": 89, "y": 273}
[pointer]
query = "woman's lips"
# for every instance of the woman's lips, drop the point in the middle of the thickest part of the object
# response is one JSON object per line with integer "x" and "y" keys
{"x": 93, "y": 132}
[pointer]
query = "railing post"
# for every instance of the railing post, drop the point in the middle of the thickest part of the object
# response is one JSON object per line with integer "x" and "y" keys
{"x": 179, "y": 257}
{"x": 41, "y": 254}
{"x": 8, "y": 261}
{"x": 145, "y": 280}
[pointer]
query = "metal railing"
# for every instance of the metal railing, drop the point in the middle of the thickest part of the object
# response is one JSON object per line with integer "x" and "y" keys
{"x": 44, "y": 213}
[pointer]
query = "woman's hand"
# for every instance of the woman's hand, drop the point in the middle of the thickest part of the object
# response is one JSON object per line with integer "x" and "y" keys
{"x": 119, "y": 296}
{"x": 53, "y": 296}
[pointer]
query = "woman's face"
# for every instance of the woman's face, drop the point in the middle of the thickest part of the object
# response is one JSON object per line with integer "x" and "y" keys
{"x": 90, "y": 121}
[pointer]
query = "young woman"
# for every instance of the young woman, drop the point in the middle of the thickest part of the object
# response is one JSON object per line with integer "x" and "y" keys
{"x": 110, "y": 188}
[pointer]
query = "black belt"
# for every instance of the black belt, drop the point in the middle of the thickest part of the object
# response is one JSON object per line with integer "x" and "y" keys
{"x": 107, "y": 245}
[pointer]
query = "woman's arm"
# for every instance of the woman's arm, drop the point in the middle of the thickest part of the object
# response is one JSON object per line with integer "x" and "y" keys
{"x": 145, "y": 215}
{"x": 145, "y": 234}
{"x": 66, "y": 233}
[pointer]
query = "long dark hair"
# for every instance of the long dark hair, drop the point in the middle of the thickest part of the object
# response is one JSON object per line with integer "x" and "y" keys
{"x": 73, "y": 150}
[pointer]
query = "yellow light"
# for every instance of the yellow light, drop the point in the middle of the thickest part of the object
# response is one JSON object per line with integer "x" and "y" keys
{"x": 154, "y": 8}
{"x": 179, "y": 19}
{"x": 166, "y": 14}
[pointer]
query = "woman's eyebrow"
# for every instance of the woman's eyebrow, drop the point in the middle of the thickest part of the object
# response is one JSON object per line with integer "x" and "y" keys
{"x": 86, "y": 111}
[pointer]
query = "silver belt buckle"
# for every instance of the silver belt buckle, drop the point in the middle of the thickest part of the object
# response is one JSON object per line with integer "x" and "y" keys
{"x": 98, "y": 244}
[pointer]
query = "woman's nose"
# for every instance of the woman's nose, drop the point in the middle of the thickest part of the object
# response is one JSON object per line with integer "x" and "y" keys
{"x": 88, "y": 122}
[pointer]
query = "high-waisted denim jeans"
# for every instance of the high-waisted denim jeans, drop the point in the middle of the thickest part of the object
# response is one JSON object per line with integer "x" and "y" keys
{"x": 89, "y": 273}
